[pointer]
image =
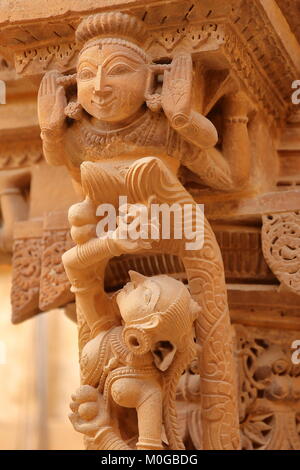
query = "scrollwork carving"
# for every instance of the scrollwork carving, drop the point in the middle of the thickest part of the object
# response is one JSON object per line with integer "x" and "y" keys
{"x": 54, "y": 284}
{"x": 269, "y": 389}
{"x": 26, "y": 263}
{"x": 281, "y": 247}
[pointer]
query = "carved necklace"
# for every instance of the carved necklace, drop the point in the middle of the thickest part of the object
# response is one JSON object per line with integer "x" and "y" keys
{"x": 109, "y": 143}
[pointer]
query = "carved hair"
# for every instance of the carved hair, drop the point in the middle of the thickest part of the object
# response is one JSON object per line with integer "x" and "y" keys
{"x": 113, "y": 28}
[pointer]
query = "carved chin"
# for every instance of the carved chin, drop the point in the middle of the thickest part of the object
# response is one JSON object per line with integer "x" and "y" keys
{"x": 106, "y": 112}
{"x": 163, "y": 353}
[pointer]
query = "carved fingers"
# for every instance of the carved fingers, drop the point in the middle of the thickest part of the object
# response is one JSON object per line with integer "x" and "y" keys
{"x": 134, "y": 229}
{"x": 88, "y": 411}
{"x": 129, "y": 245}
{"x": 177, "y": 86}
{"x": 51, "y": 103}
{"x": 182, "y": 68}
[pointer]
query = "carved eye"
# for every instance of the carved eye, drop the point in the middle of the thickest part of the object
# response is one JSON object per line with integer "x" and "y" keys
{"x": 120, "y": 69}
{"x": 86, "y": 74}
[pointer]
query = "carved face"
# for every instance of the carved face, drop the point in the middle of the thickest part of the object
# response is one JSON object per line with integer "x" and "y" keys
{"x": 111, "y": 82}
{"x": 138, "y": 297}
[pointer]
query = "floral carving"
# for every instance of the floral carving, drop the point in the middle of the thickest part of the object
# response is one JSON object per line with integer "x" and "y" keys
{"x": 26, "y": 276}
{"x": 54, "y": 284}
{"x": 281, "y": 247}
{"x": 269, "y": 389}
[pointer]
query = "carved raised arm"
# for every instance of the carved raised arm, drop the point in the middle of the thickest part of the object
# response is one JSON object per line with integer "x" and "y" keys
{"x": 228, "y": 169}
{"x": 52, "y": 119}
{"x": 236, "y": 142}
{"x": 85, "y": 263}
{"x": 176, "y": 102}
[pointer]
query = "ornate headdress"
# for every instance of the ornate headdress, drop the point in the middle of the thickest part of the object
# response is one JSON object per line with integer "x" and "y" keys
{"x": 114, "y": 28}
{"x": 176, "y": 316}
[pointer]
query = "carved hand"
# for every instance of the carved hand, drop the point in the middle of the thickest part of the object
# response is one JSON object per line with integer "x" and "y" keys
{"x": 88, "y": 411}
{"x": 51, "y": 104}
{"x": 129, "y": 225}
{"x": 177, "y": 88}
{"x": 125, "y": 244}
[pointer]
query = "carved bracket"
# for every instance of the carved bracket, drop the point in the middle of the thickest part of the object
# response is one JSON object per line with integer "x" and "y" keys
{"x": 39, "y": 281}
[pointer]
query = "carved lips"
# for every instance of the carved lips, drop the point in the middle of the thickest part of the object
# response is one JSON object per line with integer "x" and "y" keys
{"x": 103, "y": 103}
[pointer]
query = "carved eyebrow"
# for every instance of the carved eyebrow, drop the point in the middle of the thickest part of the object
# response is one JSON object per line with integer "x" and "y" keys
{"x": 88, "y": 62}
{"x": 120, "y": 55}
{"x": 112, "y": 57}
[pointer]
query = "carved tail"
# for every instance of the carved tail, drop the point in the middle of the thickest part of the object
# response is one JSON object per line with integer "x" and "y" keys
{"x": 206, "y": 278}
{"x": 205, "y": 273}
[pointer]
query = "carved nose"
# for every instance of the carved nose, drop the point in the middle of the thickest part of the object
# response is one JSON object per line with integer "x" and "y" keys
{"x": 100, "y": 87}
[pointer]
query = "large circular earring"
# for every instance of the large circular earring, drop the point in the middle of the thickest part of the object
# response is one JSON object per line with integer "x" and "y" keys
{"x": 74, "y": 110}
{"x": 154, "y": 102}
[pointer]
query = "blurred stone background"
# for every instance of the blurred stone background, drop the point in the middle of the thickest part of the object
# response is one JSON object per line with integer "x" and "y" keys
{"x": 38, "y": 373}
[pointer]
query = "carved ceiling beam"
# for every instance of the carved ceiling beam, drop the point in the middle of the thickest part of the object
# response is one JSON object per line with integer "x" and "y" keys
{"x": 250, "y": 209}
{"x": 263, "y": 305}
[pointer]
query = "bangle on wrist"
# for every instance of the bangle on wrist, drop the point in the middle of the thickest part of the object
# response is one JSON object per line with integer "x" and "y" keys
{"x": 112, "y": 248}
{"x": 180, "y": 120}
{"x": 237, "y": 120}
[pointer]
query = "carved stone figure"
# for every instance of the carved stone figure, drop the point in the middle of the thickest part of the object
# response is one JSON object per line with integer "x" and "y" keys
{"x": 106, "y": 134}
{"x": 169, "y": 104}
{"x": 136, "y": 363}
{"x": 117, "y": 111}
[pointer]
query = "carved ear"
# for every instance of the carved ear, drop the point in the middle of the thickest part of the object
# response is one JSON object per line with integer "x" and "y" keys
{"x": 74, "y": 110}
{"x": 153, "y": 100}
{"x": 163, "y": 353}
{"x": 137, "y": 278}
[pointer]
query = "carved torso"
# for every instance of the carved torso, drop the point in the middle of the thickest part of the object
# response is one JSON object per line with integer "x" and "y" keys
{"x": 107, "y": 353}
{"x": 149, "y": 134}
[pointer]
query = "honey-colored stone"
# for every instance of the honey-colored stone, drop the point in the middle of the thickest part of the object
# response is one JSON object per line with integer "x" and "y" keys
{"x": 169, "y": 103}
